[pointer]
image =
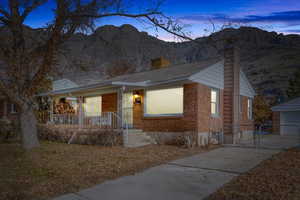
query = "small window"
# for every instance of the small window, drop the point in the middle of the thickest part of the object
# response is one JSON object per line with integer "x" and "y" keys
{"x": 13, "y": 108}
{"x": 241, "y": 104}
{"x": 249, "y": 108}
{"x": 214, "y": 102}
{"x": 164, "y": 102}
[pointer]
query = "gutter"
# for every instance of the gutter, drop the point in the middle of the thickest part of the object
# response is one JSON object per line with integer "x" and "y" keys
{"x": 147, "y": 83}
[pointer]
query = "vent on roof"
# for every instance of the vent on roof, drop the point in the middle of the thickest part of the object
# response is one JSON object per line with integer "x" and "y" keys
{"x": 159, "y": 63}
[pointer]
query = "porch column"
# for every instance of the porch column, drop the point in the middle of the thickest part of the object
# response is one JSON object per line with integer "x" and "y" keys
{"x": 120, "y": 114}
{"x": 51, "y": 109}
{"x": 120, "y": 105}
{"x": 80, "y": 111}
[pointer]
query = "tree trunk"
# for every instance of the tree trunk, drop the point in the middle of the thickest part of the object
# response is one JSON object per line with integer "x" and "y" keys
{"x": 29, "y": 129}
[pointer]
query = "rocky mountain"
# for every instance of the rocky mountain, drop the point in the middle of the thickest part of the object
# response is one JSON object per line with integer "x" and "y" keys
{"x": 268, "y": 59}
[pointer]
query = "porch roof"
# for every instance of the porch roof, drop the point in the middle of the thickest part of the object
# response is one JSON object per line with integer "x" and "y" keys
{"x": 144, "y": 79}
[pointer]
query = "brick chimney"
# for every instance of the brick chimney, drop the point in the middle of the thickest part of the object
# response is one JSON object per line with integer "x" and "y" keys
{"x": 231, "y": 93}
{"x": 159, "y": 63}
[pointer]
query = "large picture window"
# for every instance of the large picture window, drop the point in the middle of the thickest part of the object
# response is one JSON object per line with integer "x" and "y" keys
{"x": 164, "y": 101}
{"x": 214, "y": 102}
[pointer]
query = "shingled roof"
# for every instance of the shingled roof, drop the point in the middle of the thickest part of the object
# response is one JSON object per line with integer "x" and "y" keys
{"x": 146, "y": 78}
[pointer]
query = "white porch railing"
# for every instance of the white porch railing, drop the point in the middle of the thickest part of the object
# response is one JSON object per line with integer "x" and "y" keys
{"x": 104, "y": 120}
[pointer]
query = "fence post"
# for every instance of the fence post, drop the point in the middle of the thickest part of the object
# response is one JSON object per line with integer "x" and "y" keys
{"x": 51, "y": 110}
{"x": 80, "y": 111}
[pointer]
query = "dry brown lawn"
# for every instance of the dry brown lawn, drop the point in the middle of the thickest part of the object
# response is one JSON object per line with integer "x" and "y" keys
{"x": 275, "y": 179}
{"x": 55, "y": 168}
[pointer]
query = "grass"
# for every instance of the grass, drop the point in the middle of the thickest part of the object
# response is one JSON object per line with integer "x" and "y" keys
{"x": 275, "y": 179}
{"x": 56, "y": 168}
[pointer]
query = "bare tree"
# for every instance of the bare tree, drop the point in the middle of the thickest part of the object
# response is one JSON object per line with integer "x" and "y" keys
{"x": 28, "y": 57}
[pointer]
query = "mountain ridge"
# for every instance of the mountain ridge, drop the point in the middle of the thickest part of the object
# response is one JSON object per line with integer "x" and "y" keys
{"x": 269, "y": 59}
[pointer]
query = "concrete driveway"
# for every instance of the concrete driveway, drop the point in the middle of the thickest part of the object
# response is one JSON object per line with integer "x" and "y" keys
{"x": 191, "y": 178}
{"x": 272, "y": 142}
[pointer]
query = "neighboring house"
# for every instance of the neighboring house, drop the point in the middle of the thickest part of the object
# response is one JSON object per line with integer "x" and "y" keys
{"x": 8, "y": 109}
{"x": 286, "y": 118}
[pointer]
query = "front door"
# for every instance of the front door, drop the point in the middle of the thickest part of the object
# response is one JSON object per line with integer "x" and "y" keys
{"x": 127, "y": 105}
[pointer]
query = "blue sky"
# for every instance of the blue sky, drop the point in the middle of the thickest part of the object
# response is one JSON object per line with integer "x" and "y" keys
{"x": 282, "y": 16}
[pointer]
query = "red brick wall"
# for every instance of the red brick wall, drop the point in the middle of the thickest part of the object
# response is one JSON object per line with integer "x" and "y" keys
{"x": 196, "y": 116}
{"x": 163, "y": 124}
{"x": 109, "y": 102}
{"x": 205, "y": 120}
{"x": 245, "y": 123}
{"x": 190, "y": 107}
{"x": 151, "y": 124}
{"x": 276, "y": 122}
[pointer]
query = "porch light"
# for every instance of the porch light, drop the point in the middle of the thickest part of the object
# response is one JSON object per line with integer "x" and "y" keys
{"x": 137, "y": 99}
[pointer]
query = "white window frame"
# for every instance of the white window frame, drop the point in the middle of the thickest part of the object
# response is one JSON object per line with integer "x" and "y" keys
{"x": 217, "y": 114}
{"x": 13, "y": 108}
{"x": 162, "y": 115}
{"x": 250, "y": 108}
{"x": 241, "y": 104}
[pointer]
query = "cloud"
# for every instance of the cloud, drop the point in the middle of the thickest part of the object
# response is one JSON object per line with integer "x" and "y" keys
{"x": 286, "y": 17}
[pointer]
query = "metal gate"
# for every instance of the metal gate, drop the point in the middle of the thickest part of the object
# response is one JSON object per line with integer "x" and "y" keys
{"x": 262, "y": 137}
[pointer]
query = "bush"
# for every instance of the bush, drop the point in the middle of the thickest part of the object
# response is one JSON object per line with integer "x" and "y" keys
{"x": 104, "y": 137}
{"x": 8, "y": 129}
{"x": 185, "y": 139}
{"x": 181, "y": 139}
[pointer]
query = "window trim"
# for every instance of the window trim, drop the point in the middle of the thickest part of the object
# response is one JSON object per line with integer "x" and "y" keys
{"x": 217, "y": 114}
{"x": 250, "y": 109}
{"x": 166, "y": 114}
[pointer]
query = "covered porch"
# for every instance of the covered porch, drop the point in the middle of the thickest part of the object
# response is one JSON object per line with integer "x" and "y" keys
{"x": 110, "y": 109}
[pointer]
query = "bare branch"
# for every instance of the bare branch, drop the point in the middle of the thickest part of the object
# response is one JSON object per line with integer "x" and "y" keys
{"x": 4, "y": 13}
{"x": 169, "y": 26}
{"x": 34, "y": 5}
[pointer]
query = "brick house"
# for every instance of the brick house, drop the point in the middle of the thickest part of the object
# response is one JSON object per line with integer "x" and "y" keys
{"x": 213, "y": 94}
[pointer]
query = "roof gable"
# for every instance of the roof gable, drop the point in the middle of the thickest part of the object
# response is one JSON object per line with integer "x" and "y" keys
{"x": 212, "y": 76}
{"x": 246, "y": 88}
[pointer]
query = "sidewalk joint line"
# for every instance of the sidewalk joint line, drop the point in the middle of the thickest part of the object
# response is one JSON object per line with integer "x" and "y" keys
{"x": 205, "y": 168}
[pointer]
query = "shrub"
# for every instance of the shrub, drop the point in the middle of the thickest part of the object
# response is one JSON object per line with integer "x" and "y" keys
{"x": 181, "y": 139}
{"x": 8, "y": 129}
{"x": 184, "y": 139}
{"x": 104, "y": 137}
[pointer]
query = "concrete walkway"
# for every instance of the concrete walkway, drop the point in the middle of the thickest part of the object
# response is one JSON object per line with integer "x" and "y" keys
{"x": 191, "y": 178}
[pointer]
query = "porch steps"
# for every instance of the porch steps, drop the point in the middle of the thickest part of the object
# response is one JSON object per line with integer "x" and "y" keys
{"x": 138, "y": 138}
